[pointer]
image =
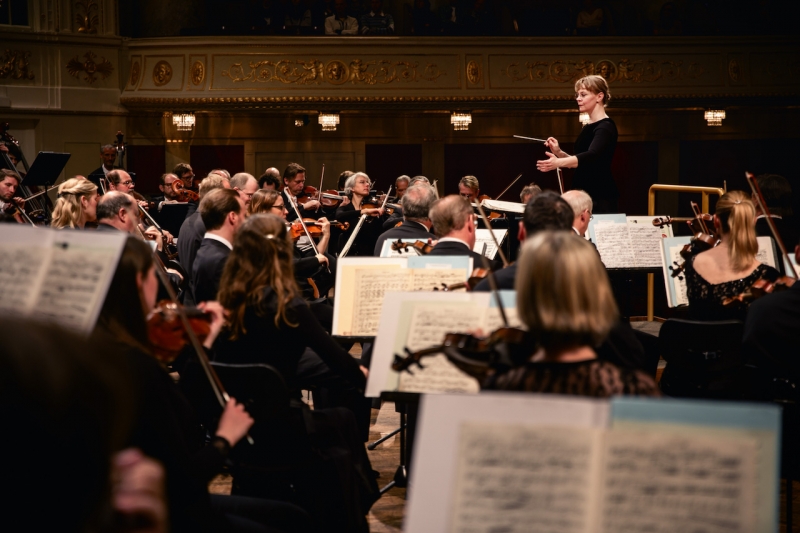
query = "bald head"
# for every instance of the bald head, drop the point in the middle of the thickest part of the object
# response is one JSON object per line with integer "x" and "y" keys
{"x": 581, "y": 204}
{"x": 118, "y": 210}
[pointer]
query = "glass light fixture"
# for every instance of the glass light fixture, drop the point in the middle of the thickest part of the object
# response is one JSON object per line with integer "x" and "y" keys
{"x": 714, "y": 117}
{"x": 183, "y": 121}
{"x": 460, "y": 120}
{"x": 329, "y": 121}
{"x": 584, "y": 118}
{"x": 298, "y": 123}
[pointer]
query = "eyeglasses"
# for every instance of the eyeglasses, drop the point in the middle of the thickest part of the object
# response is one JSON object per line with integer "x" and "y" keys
{"x": 281, "y": 207}
{"x": 126, "y": 183}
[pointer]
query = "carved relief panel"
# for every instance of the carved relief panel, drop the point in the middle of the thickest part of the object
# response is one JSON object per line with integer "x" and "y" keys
{"x": 163, "y": 73}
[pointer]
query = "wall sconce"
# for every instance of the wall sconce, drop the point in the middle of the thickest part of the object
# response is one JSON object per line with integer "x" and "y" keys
{"x": 460, "y": 120}
{"x": 329, "y": 121}
{"x": 584, "y": 118}
{"x": 183, "y": 121}
{"x": 714, "y": 117}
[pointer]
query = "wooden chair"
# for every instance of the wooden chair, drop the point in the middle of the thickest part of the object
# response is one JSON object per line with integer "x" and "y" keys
{"x": 704, "y": 359}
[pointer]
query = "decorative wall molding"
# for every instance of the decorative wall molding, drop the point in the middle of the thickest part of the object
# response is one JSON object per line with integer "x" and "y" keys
{"x": 15, "y": 65}
{"x": 90, "y": 67}
{"x": 87, "y": 16}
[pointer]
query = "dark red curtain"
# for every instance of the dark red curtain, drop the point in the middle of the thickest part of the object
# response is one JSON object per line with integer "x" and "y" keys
{"x": 148, "y": 162}
{"x": 205, "y": 158}
{"x": 385, "y": 162}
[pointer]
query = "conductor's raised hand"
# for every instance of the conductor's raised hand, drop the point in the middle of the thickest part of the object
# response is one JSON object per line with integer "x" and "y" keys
{"x": 549, "y": 164}
{"x": 552, "y": 144}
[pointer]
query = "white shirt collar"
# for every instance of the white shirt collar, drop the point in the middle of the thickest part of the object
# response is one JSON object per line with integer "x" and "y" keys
{"x": 215, "y": 237}
{"x": 453, "y": 239}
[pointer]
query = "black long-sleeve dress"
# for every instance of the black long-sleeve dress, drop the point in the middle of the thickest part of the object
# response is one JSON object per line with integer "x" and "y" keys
{"x": 367, "y": 236}
{"x": 594, "y": 149}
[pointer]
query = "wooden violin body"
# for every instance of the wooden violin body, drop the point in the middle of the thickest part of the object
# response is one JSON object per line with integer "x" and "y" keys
{"x": 314, "y": 228}
{"x": 420, "y": 247}
{"x": 184, "y": 194}
{"x": 166, "y": 332}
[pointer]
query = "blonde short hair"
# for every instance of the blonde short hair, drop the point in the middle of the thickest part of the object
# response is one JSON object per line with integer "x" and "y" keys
{"x": 68, "y": 211}
{"x": 594, "y": 84}
{"x": 211, "y": 182}
{"x": 563, "y": 292}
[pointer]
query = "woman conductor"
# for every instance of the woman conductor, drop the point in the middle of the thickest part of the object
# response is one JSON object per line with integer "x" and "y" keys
{"x": 594, "y": 147}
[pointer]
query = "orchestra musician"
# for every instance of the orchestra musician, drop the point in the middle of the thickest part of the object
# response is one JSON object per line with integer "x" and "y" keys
{"x": 222, "y": 212}
{"x": 245, "y": 184}
{"x": 594, "y": 148}
{"x": 581, "y": 204}
{"x": 358, "y": 186}
{"x": 270, "y": 179}
{"x": 186, "y": 174}
{"x": 294, "y": 182}
{"x": 108, "y": 156}
{"x": 76, "y": 204}
{"x": 454, "y": 224}
{"x": 529, "y": 192}
{"x": 9, "y": 184}
{"x": 729, "y": 268}
{"x": 469, "y": 188}
{"x": 168, "y": 195}
{"x": 416, "y": 203}
{"x": 565, "y": 301}
{"x": 400, "y": 187}
{"x": 117, "y": 211}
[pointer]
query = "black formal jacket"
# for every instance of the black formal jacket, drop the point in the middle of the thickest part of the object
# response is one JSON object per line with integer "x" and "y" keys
{"x": 409, "y": 230}
{"x": 96, "y": 175}
{"x": 189, "y": 238}
{"x": 621, "y": 347}
{"x": 456, "y": 248}
{"x": 770, "y": 333}
{"x": 207, "y": 270}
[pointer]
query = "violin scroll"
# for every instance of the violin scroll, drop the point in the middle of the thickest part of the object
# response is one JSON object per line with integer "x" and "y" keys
{"x": 184, "y": 194}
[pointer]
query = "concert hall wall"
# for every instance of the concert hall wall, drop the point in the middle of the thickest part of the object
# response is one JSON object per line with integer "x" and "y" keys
{"x": 384, "y": 162}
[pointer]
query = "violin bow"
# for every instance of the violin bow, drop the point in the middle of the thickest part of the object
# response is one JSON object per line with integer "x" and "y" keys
{"x": 352, "y": 236}
{"x": 293, "y": 201}
{"x": 495, "y": 290}
{"x": 319, "y": 191}
{"x": 762, "y": 205}
{"x": 489, "y": 226}
{"x": 23, "y": 214}
{"x": 511, "y": 185}
{"x": 560, "y": 180}
{"x": 435, "y": 188}
{"x": 386, "y": 198}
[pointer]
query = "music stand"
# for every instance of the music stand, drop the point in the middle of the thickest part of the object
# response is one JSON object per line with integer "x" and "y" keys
{"x": 45, "y": 171}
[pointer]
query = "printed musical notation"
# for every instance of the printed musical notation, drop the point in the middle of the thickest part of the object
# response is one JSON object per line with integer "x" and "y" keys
{"x": 613, "y": 245}
{"x": 370, "y": 286}
{"x": 429, "y": 324}
{"x": 645, "y": 241}
{"x": 21, "y": 267}
{"x": 685, "y": 483}
{"x": 516, "y": 478}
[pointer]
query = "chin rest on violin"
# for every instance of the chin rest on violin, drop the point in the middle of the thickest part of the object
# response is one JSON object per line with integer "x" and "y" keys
{"x": 503, "y": 349}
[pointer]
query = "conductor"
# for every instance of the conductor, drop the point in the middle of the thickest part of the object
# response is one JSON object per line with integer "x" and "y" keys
{"x": 594, "y": 148}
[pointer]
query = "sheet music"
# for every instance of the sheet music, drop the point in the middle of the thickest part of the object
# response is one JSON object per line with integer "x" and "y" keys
{"x": 482, "y": 236}
{"x": 660, "y": 482}
{"x": 493, "y": 321}
{"x": 370, "y": 286}
{"x": 515, "y": 478}
{"x": 22, "y": 263}
{"x": 77, "y": 278}
{"x": 646, "y": 241}
{"x": 428, "y": 279}
{"x": 503, "y": 207}
{"x": 429, "y": 324}
{"x": 614, "y": 245}
{"x": 679, "y": 282}
{"x": 766, "y": 251}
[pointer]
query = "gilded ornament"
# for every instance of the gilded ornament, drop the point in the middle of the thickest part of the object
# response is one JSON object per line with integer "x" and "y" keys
{"x": 198, "y": 73}
{"x": 86, "y": 17}
{"x": 162, "y": 73}
{"x": 285, "y": 71}
{"x": 606, "y": 69}
{"x": 569, "y": 71}
{"x": 474, "y": 72}
{"x": 16, "y": 65}
{"x": 90, "y": 67}
{"x": 336, "y": 72}
{"x": 135, "y": 71}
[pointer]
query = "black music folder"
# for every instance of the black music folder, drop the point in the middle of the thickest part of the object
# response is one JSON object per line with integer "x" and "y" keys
{"x": 46, "y": 168}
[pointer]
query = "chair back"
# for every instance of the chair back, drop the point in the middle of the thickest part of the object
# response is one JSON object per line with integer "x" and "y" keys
{"x": 703, "y": 358}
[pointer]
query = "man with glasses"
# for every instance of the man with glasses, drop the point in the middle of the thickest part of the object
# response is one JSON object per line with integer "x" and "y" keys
{"x": 108, "y": 155}
{"x": 246, "y": 185}
{"x": 581, "y": 204}
{"x": 186, "y": 174}
{"x": 469, "y": 189}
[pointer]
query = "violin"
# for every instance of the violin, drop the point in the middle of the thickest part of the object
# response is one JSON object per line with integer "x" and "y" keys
{"x": 420, "y": 247}
{"x": 504, "y": 349}
{"x": 702, "y": 239}
{"x": 314, "y": 228}
{"x": 184, "y": 194}
{"x": 379, "y": 201}
{"x": 166, "y": 332}
{"x": 477, "y": 275}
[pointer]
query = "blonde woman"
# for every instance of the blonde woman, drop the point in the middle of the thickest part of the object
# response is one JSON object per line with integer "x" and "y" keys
{"x": 76, "y": 205}
{"x": 594, "y": 148}
{"x": 565, "y": 300}
{"x": 731, "y": 267}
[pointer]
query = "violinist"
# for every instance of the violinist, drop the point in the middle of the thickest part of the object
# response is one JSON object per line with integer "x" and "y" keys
{"x": 76, "y": 204}
{"x": 108, "y": 156}
{"x": 117, "y": 211}
{"x": 165, "y": 425}
{"x": 168, "y": 195}
{"x": 186, "y": 174}
{"x": 731, "y": 267}
{"x": 529, "y": 192}
{"x": 770, "y": 331}
{"x": 400, "y": 187}
{"x": 222, "y": 212}
{"x": 454, "y": 224}
{"x": 594, "y": 147}
{"x": 564, "y": 299}
{"x": 358, "y": 185}
{"x": 269, "y": 323}
{"x": 294, "y": 183}
{"x": 581, "y": 204}
{"x": 470, "y": 189}
{"x": 416, "y": 202}
{"x": 9, "y": 184}
{"x": 246, "y": 185}
{"x": 270, "y": 179}
{"x": 193, "y": 229}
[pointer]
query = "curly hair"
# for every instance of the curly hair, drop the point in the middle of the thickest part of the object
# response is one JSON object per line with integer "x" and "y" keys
{"x": 261, "y": 257}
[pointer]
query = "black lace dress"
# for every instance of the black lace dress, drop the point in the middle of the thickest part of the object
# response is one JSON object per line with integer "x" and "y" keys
{"x": 706, "y": 299}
